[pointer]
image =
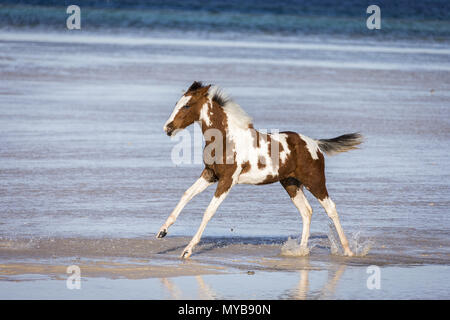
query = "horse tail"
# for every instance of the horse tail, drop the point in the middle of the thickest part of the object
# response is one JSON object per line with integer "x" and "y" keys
{"x": 343, "y": 143}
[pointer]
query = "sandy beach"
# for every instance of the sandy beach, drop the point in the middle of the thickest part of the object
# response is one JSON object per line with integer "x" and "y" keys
{"x": 86, "y": 177}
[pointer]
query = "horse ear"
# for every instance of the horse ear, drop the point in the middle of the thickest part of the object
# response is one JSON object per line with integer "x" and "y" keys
{"x": 204, "y": 90}
{"x": 195, "y": 85}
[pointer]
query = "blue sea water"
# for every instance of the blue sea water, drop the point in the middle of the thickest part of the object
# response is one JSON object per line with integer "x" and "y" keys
{"x": 400, "y": 19}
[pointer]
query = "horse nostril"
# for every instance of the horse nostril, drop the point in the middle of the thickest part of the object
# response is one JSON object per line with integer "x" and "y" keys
{"x": 169, "y": 129}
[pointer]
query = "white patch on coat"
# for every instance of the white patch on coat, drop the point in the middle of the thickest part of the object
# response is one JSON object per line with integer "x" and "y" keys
{"x": 282, "y": 138}
{"x": 180, "y": 104}
{"x": 204, "y": 113}
{"x": 246, "y": 151}
{"x": 237, "y": 115}
{"x": 234, "y": 112}
{"x": 311, "y": 145}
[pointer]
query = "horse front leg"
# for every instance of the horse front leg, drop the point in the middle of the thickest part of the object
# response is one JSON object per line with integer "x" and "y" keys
{"x": 205, "y": 180}
{"x": 223, "y": 188}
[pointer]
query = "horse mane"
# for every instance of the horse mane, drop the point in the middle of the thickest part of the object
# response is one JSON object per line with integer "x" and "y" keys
{"x": 234, "y": 112}
{"x": 196, "y": 85}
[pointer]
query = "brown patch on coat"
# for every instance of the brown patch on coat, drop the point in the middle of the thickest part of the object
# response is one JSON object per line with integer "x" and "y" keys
{"x": 270, "y": 179}
{"x": 246, "y": 167}
{"x": 291, "y": 185}
{"x": 223, "y": 171}
{"x": 299, "y": 168}
{"x": 308, "y": 171}
{"x": 261, "y": 162}
{"x": 209, "y": 175}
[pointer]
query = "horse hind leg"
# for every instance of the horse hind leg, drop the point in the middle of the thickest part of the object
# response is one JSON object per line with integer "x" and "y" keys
{"x": 305, "y": 209}
{"x": 330, "y": 208}
{"x": 295, "y": 191}
{"x": 319, "y": 190}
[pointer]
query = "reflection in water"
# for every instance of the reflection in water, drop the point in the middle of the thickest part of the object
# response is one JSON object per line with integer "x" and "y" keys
{"x": 204, "y": 290}
{"x": 334, "y": 274}
{"x": 174, "y": 291}
{"x": 300, "y": 292}
{"x": 303, "y": 286}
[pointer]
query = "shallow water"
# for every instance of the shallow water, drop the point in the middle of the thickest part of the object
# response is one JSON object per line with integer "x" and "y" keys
{"x": 85, "y": 167}
{"x": 220, "y": 268}
{"x": 398, "y": 283}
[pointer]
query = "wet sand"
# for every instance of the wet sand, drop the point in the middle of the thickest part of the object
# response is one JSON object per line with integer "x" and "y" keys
{"x": 86, "y": 177}
{"x": 219, "y": 270}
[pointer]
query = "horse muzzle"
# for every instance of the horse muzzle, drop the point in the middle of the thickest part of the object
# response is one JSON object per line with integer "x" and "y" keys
{"x": 169, "y": 129}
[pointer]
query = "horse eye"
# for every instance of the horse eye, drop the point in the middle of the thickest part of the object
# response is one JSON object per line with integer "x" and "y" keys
{"x": 186, "y": 106}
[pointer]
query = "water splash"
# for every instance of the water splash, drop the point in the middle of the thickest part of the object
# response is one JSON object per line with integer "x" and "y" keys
{"x": 333, "y": 237}
{"x": 292, "y": 248}
{"x": 359, "y": 246}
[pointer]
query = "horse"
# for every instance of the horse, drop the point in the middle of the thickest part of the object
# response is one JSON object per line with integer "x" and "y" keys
{"x": 253, "y": 157}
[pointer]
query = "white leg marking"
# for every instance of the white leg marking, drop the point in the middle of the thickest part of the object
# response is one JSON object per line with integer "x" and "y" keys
{"x": 330, "y": 208}
{"x": 200, "y": 185}
{"x": 305, "y": 209}
{"x": 209, "y": 213}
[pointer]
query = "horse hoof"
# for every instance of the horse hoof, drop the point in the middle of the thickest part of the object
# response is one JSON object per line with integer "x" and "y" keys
{"x": 186, "y": 254}
{"x": 161, "y": 234}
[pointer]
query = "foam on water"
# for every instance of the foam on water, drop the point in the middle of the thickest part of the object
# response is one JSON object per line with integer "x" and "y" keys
{"x": 292, "y": 248}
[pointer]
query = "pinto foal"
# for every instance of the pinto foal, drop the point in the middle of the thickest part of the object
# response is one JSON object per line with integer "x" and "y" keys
{"x": 250, "y": 158}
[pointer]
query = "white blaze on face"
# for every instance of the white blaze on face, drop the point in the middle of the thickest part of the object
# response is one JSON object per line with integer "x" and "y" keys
{"x": 311, "y": 145}
{"x": 180, "y": 104}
